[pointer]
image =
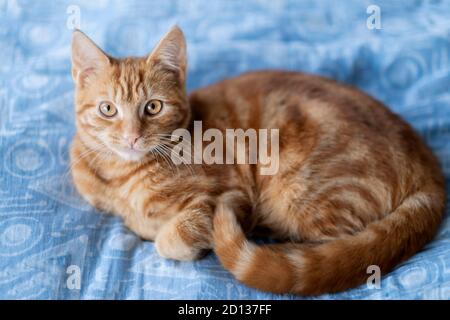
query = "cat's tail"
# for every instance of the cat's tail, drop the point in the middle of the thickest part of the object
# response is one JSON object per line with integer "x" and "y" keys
{"x": 335, "y": 265}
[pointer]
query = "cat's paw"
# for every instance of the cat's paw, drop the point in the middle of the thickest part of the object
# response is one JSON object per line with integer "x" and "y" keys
{"x": 170, "y": 245}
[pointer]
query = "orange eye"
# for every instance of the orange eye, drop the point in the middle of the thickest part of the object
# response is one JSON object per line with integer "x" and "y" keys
{"x": 153, "y": 107}
{"x": 107, "y": 109}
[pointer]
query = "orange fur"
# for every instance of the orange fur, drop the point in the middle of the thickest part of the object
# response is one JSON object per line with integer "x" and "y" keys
{"x": 356, "y": 186}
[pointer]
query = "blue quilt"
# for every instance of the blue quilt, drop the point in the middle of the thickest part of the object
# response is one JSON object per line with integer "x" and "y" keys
{"x": 54, "y": 245}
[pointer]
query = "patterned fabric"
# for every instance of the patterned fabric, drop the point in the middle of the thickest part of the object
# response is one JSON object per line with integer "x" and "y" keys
{"x": 45, "y": 227}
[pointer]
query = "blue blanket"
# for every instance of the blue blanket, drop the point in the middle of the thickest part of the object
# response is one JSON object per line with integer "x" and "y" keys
{"x": 54, "y": 245}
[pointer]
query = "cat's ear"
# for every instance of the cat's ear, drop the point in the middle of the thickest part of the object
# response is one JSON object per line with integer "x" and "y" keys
{"x": 170, "y": 53}
{"x": 87, "y": 58}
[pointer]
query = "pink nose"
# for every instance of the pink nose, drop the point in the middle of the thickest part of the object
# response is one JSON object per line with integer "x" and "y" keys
{"x": 132, "y": 139}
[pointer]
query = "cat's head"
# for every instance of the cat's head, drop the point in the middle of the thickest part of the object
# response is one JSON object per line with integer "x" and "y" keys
{"x": 127, "y": 106}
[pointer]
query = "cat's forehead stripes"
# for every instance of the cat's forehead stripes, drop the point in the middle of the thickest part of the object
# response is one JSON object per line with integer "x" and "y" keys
{"x": 129, "y": 81}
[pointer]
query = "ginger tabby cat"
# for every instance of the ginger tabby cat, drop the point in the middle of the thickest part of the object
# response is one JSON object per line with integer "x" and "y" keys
{"x": 356, "y": 186}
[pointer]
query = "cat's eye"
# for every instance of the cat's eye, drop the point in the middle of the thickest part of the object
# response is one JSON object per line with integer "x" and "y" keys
{"x": 107, "y": 109}
{"x": 153, "y": 107}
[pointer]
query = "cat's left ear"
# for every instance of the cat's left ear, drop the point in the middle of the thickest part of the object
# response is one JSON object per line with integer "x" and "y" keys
{"x": 170, "y": 53}
{"x": 87, "y": 58}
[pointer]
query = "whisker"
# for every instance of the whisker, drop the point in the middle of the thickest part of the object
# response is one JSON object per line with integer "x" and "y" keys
{"x": 101, "y": 157}
{"x": 162, "y": 153}
{"x": 170, "y": 153}
{"x": 80, "y": 157}
{"x": 155, "y": 156}
{"x": 192, "y": 155}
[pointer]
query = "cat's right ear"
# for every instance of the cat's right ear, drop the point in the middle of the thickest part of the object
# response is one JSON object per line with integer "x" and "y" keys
{"x": 87, "y": 58}
{"x": 170, "y": 53}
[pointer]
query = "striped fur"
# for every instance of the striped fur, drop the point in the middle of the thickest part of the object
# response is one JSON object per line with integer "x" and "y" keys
{"x": 356, "y": 186}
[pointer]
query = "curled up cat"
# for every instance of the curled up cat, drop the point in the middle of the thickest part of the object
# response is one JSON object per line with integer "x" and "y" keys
{"x": 355, "y": 185}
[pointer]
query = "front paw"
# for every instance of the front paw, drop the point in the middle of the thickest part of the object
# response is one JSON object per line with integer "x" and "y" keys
{"x": 170, "y": 245}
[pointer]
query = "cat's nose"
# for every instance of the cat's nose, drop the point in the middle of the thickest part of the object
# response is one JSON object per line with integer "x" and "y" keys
{"x": 132, "y": 139}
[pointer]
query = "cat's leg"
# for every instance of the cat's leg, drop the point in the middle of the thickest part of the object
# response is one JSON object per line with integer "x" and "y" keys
{"x": 188, "y": 234}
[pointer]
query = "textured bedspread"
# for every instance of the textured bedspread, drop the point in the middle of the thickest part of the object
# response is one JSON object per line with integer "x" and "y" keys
{"x": 49, "y": 235}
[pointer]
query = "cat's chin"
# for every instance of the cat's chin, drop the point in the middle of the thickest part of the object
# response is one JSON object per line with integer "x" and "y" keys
{"x": 131, "y": 154}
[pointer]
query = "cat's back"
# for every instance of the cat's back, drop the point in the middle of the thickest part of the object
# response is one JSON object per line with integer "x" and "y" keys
{"x": 320, "y": 119}
{"x": 271, "y": 98}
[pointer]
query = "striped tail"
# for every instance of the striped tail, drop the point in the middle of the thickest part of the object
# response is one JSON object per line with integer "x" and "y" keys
{"x": 331, "y": 266}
